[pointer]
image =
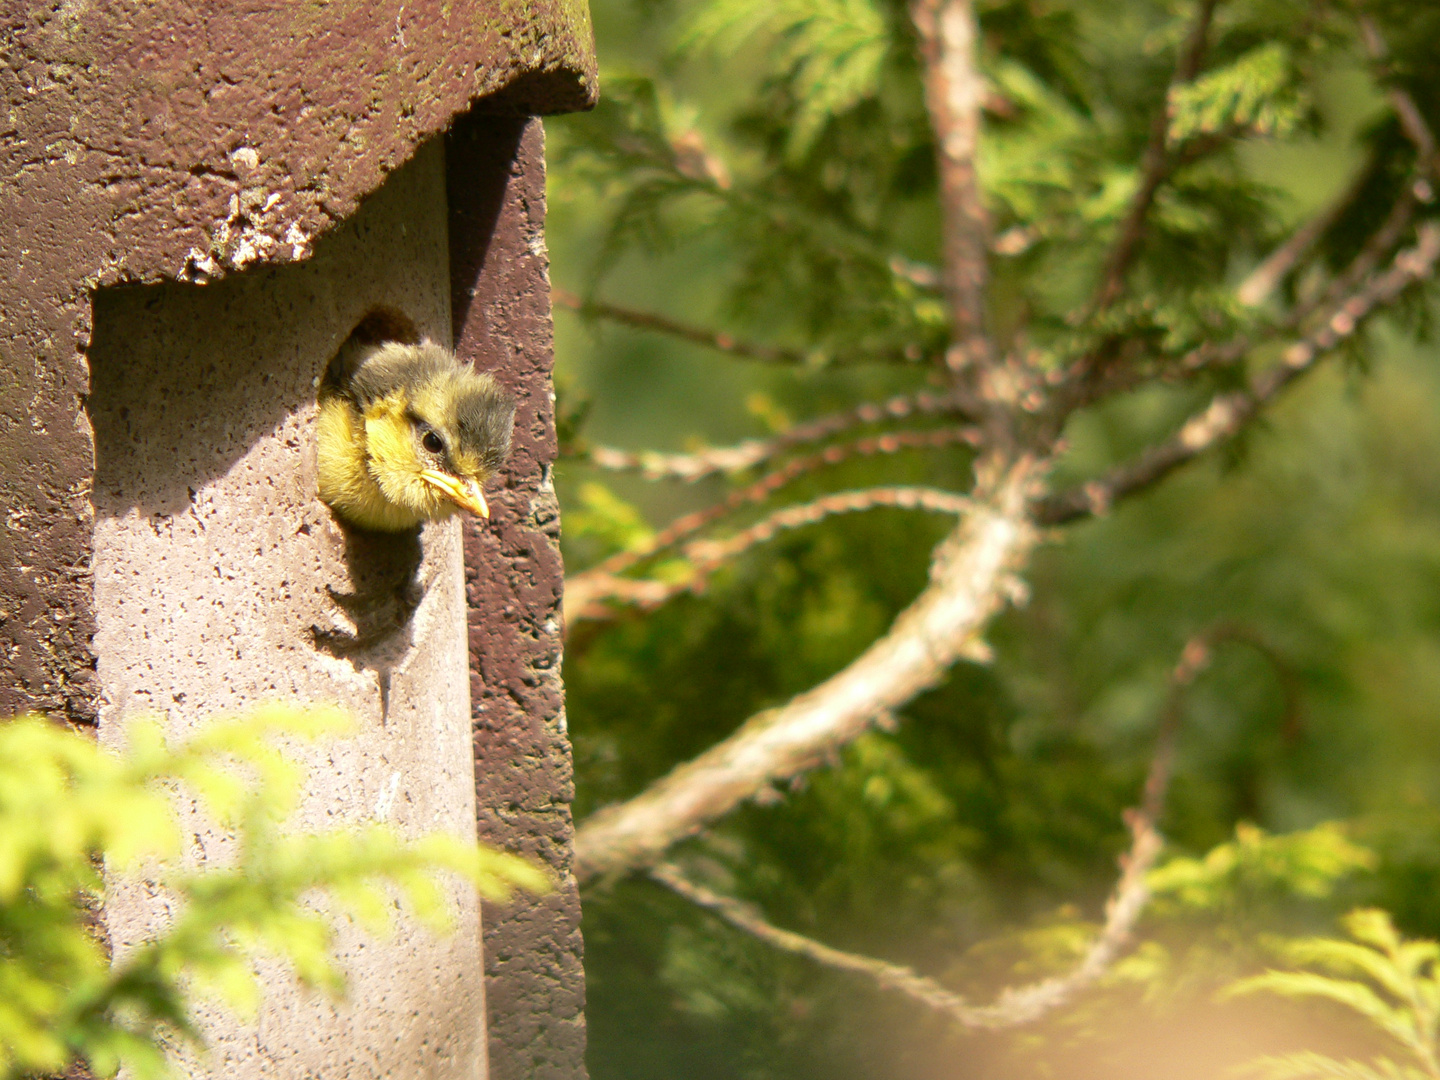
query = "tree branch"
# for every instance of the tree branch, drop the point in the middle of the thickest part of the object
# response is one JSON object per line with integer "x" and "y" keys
{"x": 1017, "y": 1005}
{"x": 1412, "y": 122}
{"x": 1229, "y": 412}
{"x": 584, "y": 591}
{"x": 954, "y": 95}
{"x": 969, "y": 580}
{"x": 1376, "y": 248}
{"x": 720, "y": 341}
{"x": 1417, "y": 191}
{"x": 1265, "y": 277}
{"x": 1261, "y": 282}
{"x": 708, "y": 554}
{"x": 590, "y": 599}
{"x": 644, "y": 320}
{"x": 889, "y": 976}
{"x": 1155, "y": 166}
{"x": 727, "y": 460}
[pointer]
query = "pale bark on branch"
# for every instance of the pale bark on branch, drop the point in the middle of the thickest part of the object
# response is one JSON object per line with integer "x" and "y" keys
{"x": 743, "y": 456}
{"x": 954, "y": 96}
{"x": 592, "y": 595}
{"x": 1015, "y": 1006}
{"x": 1018, "y": 1005}
{"x": 969, "y": 580}
{"x": 708, "y": 554}
{"x": 1262, "y": 282}
{"x": 973, "y": 569}
{"x": 1227, "y": 413}
{"x": 587, "y": 591}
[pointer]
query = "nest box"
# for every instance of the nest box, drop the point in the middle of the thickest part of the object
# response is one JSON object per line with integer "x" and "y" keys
{"x": 199, "y": 205}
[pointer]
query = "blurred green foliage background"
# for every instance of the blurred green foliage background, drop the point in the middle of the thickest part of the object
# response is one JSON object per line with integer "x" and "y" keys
{"x": 76, "y": 817}
{"x": 976, "y": 842}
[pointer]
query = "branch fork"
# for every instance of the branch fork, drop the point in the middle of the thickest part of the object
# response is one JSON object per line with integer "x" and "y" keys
{"x": 927, "y": 638}
{"x": 975, "y": 570}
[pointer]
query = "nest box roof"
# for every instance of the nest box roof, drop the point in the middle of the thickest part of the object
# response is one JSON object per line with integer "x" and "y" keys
{"x": 195, "y": 137}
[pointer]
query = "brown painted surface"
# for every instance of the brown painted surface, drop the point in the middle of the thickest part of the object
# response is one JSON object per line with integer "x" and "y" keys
{"x": 185, "y": 140}
{"x": 150, "y": 139}
{"x": 501, "y": 306}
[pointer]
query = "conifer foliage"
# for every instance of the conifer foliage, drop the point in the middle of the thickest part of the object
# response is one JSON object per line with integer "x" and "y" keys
{"x": 994, "y": 278}
{"x": 70, "y": 810}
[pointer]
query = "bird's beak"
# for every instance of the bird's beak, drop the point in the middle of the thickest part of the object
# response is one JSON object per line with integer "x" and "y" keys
{"x": 466, "y": 495}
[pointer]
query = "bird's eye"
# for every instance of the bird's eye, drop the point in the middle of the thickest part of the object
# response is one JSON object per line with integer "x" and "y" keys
{"x": 432, "y": 442}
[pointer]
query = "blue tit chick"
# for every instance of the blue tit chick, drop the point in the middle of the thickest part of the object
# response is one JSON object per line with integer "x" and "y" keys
{"x": 408, "y": 434}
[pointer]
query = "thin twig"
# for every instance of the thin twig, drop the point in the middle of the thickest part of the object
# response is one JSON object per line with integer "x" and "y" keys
{"x": 1088, "y": 374}
{"x": 1155, "y": 166}
{"x": 1341, "y": 292}
{"x": 727, "y": 343}
{"x": 966, "y": 584}
{"x": 708, "y": 554}
{"x": 1378, "y": 247}
{"x": 969, "y": 581}
{"x": 1412, "y": 122}
{"x": 1017, "y": 1005}
{"x": 728, "y": 460}
{"x": 591, "y": 598}
{"x": 1261, "y": 282}
{"x": 1417, "y": 190}
{"x": 1229, "y": 412}
{"x": 590, "y": 585}
{"x": 645, "y": 320}
{"x": 954, "y": 96}
{"x": 890, "y": 976}
{"x": 1265, "y": 277}
{"x": 1291, "y": 687}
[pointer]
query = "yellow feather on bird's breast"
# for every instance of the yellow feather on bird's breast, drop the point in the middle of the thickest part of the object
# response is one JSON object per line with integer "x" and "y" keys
{"x": 408, "y": 434}
{"x": 346, "y": 482}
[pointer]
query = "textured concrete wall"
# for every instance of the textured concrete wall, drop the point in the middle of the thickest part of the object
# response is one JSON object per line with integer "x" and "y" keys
{"x": 165, "y": 139}
{"x": 221, "y": 580}
{"x": 501, "y": 304}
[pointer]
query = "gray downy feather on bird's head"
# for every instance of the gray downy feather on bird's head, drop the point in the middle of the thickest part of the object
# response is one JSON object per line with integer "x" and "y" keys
{"x": 484, "y": 418}
{"x": 480, "y": 413}
{"x": 368, "y": 371}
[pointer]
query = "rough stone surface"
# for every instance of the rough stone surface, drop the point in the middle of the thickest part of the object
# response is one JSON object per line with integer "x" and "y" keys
{"x": 150, "y": 139}
{"x": 501, "y": 305}
{"x": 144, "y": 141}
{"x": 221, "y": 580}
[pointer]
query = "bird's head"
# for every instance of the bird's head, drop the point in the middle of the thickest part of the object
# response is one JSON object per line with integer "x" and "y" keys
{"x": 435, "y": 431}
